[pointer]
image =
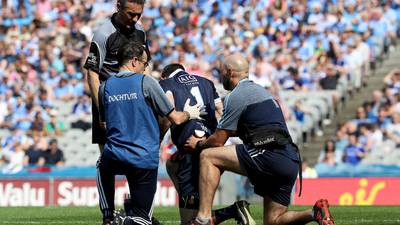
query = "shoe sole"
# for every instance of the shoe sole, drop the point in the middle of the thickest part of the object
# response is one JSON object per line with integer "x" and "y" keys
{"x": 245, "y": 216}
{"x": 328, "y": 219}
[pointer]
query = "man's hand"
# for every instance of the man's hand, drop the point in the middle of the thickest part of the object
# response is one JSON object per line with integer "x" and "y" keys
{"x": 190, "y": 145}
{"x": 193, "y": 111}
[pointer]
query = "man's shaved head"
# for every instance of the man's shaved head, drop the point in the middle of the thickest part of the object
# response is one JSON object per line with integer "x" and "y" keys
{"x": 234, "y": 68}
{"x": 238, "y": 64}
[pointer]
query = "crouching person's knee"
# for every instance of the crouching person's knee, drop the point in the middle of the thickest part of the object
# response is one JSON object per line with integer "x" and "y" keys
{"x": 205, "y": 156}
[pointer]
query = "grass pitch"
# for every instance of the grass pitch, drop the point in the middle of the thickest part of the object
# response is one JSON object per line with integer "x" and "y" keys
{"x": 351, "y": 215}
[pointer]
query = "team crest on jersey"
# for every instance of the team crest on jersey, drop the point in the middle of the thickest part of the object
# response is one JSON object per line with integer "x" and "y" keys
{"x": 187, "y": 78}
{"x": 92, "y": 58}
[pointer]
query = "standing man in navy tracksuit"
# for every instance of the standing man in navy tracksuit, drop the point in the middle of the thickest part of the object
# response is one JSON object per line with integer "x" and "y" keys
{"x": 129, "y": 106}
{"x": 183, "y": 167}
{"x": 267, "y": 156}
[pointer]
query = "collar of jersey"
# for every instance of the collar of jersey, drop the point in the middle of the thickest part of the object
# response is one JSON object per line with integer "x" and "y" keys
{"x": 241, "y": 81}
{"x": 175, "y": 72}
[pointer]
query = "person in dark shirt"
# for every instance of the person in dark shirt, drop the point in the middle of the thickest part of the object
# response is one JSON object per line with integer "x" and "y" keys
{"x": 331, "y": 80}
{"x": 34, "y": 156}
{"x": 102, "y": 60}
{"x": 53, "y": 155}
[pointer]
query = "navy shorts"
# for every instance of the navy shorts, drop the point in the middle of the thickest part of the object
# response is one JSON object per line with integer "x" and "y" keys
{"x": 271, "y": 171}
{"x": 98, "y": 134}
{"x": 188, "y": 179}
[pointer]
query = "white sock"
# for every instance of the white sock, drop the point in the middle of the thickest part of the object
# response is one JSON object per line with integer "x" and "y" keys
{"x": 203, "y": 220}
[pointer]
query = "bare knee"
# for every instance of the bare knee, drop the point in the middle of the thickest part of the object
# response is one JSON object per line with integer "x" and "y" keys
{"x": 205, "y": 156}
{"x": 271, "y": 221}
{"x": 273, "y": 211}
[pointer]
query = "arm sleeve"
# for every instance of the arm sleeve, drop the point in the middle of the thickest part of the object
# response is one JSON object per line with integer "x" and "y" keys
{"x": 145, "y": 41}
{"x": 101, "y": 102}
{"x": 155, "y": 95}
{"x": 61, "y": 159}
{"x": 230, "y": 114}
{"x": 97, "y": 53}
{"x": 164, "y": 86}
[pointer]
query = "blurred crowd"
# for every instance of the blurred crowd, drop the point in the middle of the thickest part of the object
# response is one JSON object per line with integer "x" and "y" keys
{"x": 374, "y": 130}
{"x": 300, "y": 45}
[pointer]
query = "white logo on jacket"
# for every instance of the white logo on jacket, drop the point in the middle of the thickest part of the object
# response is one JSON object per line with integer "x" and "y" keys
{"x": 122, "y": 97}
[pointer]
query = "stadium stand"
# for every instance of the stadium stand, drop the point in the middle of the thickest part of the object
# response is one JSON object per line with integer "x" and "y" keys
{"x": 312, "y": 55}
{"x": 371, "y": 139}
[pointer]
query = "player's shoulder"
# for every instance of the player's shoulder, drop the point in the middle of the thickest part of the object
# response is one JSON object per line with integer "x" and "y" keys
{"x": 103, "y": 31}
{"x": 139, "y": 27}
{"x": 165, "y": 82}
{"x": 149, "y": 79}
{"x": 170, "y": 84}
{"x": 203, "y": 80}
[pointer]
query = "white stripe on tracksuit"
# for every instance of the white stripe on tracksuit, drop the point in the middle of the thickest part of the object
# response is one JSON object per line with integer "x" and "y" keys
{"x": 151, "y": 210}
{"x": 102, "y": 196}
{"x": 140, "y": 220}
{"x": 257, "y": 154}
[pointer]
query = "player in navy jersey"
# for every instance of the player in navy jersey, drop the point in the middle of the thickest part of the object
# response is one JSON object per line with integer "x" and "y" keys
{"x": 183, "y": 167}
{"x": 179, "y": 86}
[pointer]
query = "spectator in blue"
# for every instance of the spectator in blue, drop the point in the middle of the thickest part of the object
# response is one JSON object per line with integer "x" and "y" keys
{"x": 383, "y": 120}
{"x": 83, "y": 106}
{"x": 24, "y": 119}
{"x": 152, "y": 11}
{"x": 53, "y": 80}
{"x": 306, "y": 50}
{"x": 341, "y": 140}
{"x": 77, "y": 88}
{"x": 376, "y": 103}
{"x": 43, "y": 99}
{"x": 353, "y": 153}
{"x": 64, "y": 90}
{"x": 216, "y": 11}
{"x": 71, "y": 73}
{"x": 226, "y": 7}
{"x": 361, "y": 117}
{"x": 298, "y": 111}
